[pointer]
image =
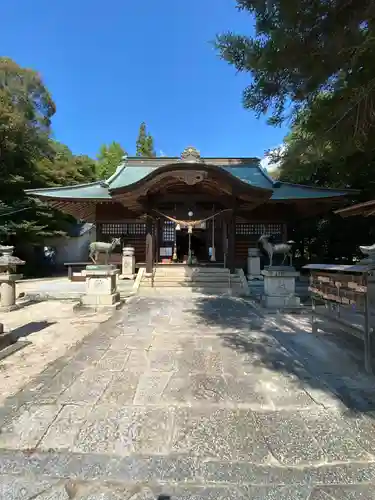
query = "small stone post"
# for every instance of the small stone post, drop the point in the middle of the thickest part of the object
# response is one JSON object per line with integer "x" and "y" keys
{"x": 128, "y": 263}
{"x": 253, "y": 264}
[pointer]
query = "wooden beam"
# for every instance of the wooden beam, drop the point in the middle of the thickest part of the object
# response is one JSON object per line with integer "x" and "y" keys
{"x": 149, "y": 245}
{"x": 232, "y": 242}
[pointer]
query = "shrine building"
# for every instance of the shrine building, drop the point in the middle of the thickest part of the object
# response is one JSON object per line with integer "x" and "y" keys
{"x": 217, "y": 207}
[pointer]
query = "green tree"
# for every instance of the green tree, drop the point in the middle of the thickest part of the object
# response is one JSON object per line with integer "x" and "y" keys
{"x": 310, "y": 64}
{"x": 30, "y": 159}
{"x": 62, "y": 168}
{"x": 26, "y": 109}
{"x": 145, "y": 143}
{"x": 109, "y": 158}
{"x": 309, "y": 54}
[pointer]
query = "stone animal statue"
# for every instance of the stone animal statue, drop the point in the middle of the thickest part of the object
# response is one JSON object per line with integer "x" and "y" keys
{"x": 271, "y": 249}
{"x": 368, "y": 251}
{"x": 98, "y": 247}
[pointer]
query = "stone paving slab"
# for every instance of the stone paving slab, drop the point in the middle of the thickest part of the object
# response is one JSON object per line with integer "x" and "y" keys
{"x": 51, "y": 329}
{"x": 13, "y": 490}
{"x": 193, "y": 397}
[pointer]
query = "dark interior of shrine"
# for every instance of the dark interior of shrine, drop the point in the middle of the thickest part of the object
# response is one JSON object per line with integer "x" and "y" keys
{"x": 198, "y": 244}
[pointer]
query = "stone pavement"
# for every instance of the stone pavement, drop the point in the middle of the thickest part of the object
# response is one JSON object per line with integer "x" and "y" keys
{"x": 194, "y": 397}
{"x": 48, "y": 330}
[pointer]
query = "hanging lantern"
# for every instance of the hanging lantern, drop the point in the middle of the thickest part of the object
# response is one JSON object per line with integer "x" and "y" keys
{"x": 178, "y": 227}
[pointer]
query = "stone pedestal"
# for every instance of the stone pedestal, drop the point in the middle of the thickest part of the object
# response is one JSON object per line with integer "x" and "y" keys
{"x": 128, "y": 263}
{"x": 8, "y": 291}
{"x": 280, "y": 288}
{"x": 253, "y": 264}
{"x": 101, "y": 287}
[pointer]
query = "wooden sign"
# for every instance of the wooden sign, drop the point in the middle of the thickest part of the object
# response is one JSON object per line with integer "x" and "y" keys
{"x": 340, "y": 288}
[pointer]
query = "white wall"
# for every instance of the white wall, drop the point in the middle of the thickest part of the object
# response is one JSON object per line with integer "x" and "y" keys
{"x": 72, "y": 249}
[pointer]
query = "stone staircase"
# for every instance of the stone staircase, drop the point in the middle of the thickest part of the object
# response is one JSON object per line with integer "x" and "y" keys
{"x": 206, "y": 280}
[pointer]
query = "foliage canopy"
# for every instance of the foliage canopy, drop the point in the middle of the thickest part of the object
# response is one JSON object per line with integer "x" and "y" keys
{"x": 109, "y": 158}
{"x": 310, "y": 55}
{"x": 311, "y": 66}
{"x": 145, "y": 143}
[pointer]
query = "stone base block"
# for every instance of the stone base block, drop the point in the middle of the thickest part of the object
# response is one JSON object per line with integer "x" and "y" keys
{"x": 99, "y": 282}
{"x": 251, "y": 277}
{"x": 127, "y": 276}
{"x": 6, "y": 339}
{"x": 99, "y": 269}
{"x": 80, "y": 308}
{"x": 279, "y": 282}
{"x": 100, "y": 299}
{"x": 13, "y": 307}
{"x": 281, "y": 302}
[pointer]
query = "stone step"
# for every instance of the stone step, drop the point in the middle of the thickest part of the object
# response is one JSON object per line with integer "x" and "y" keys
{"x": 192, "y": 268}
{"x": 183, "y": 284}
{"x": 189, "y": 290}
{"x": 190, "y": 271}
{"x": 194, "y": 278}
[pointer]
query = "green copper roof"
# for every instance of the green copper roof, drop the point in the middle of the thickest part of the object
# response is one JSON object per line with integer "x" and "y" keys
{"x": 132, "y": 171}
{"x": 251, "y": 174}
{"x": 94, "y": 190}
{"x": 128, "y": 175}
{"x": 287, "y": 191}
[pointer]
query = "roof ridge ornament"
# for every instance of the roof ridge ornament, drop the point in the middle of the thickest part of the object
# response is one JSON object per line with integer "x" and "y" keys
{"x": 191, "y": 155}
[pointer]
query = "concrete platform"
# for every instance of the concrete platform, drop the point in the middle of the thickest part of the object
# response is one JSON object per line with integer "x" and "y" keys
{"x": 62, "y": 289}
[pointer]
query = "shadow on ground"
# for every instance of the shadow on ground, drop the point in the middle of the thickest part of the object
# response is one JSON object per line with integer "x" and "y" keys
{"x": 330, "y": 361}
{"x": 29, "y": 328}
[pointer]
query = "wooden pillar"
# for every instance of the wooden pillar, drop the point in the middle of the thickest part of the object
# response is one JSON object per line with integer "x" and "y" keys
{"x": 149, "y": 246}
{"x": 224, "y": 235}
{"x": 232, "y": 242}
{"x": 284, "y": 233}
{"x": 156, "y": 240}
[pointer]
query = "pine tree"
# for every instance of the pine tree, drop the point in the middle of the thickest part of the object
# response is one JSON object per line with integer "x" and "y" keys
{"x": 145, "y": 143}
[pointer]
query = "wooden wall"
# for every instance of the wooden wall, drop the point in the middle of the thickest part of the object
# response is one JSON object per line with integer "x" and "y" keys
{"x": 132, "y": 233}
{"x": 114, "y": 220}
{"x": 113, "y": 211}
{"x": 248, "y": 234}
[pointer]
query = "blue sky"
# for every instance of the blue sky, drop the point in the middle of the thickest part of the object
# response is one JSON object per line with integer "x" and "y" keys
{"x": 110, "y": 65}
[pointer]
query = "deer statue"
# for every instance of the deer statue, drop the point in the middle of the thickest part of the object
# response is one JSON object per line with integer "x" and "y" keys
{"x": 369, "y": 251}
{"x": 98, "y": 247}
{"x": 271, "y": 249}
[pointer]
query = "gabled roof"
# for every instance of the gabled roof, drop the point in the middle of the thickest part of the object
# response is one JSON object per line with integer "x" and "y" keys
{"x": 134, "y": 170}
{"x": 250, "y": 173}
{"x": 91, "y": 191}
{"x": 287, "y": 191}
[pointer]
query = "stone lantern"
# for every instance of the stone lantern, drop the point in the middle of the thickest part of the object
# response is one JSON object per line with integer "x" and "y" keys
{"x": 128, "y": 263}
{"x": 8, "y": 278}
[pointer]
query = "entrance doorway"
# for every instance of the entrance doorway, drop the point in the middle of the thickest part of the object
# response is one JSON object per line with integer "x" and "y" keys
{"x": 198, "y": 244}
